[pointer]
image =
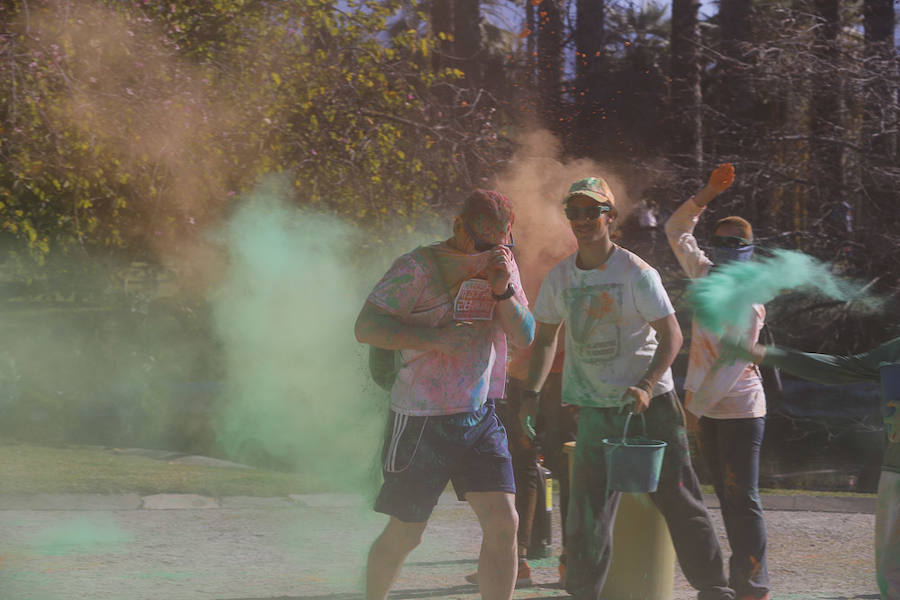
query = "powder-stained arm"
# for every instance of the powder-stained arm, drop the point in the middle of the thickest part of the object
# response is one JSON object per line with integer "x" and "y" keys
{"x": 653, "y": 304}
{"x": 680, "y": 226}
{"x": 829, "y": 368}
{"x": 516, "y": 321}
{"x": 680, "y": 233}
{"x": 550, "y": 313}
{"x": 376, "y": 327}
{"x": 513, "y": 314}
{"x": 543, "y": 351}
{"x": 540, "y": 361}
{"x": 382, "y": 320}
{"x": 670, "y": 340}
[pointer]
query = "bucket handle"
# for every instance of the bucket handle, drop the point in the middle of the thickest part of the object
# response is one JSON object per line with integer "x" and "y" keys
{"x": 628, "y": 421}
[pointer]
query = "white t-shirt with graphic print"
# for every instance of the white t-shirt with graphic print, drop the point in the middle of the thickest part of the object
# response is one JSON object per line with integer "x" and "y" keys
{"x": 609, "y": 341}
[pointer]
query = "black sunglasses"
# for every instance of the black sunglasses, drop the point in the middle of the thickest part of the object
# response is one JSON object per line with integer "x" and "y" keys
{"x": 481, "y": 246}
{"x": 728, "y": 241}
{"x": 575, "y": 213}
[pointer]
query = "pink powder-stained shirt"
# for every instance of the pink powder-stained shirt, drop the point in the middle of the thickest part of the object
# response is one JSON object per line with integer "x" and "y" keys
{"x": 419, "y": 290}
{"x": 714, "y": 389}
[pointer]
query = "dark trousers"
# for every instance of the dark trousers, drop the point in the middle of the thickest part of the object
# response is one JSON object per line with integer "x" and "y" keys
{"x": 730, "y": 448}
{"x": 592, "y": 507}
{"x": 555, "y": 426}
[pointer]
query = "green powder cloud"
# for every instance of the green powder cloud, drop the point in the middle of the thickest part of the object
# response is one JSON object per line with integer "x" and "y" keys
{"x": 724, "y": 298}
{"x": 88, "y": 535}
{"x": 297, "y": 385}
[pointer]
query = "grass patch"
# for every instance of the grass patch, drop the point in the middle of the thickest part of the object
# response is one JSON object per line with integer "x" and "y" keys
{"x": 30, "y": 469}
{"x": 792, "y": 492}
{"x": 708, "y": 489}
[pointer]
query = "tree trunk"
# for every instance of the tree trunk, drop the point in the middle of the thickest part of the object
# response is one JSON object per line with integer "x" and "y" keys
{"x": 467, "y": 39}
{"x": 879, "y": 118}
{"x": 550, "y": 62}
{"x": 442, "y": 23}
{"x": 738, "y": 98}
{"x": 878, "y": 18}
{"x": 826, "y": 122}
{"x": 686, "y": 96}
{"x": 531, "y": 44}
{"x": 589, "y": 25}
{"x": 880, "y": 95}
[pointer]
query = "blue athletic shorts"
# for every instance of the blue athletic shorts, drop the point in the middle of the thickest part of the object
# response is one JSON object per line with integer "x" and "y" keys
{"x": 421, "y": 454}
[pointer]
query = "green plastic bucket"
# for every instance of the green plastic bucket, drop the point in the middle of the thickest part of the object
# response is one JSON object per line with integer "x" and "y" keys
{"x": 633, "y": 464}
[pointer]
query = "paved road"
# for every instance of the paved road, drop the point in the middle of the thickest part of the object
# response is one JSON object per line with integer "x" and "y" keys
{"x": 316, "y": 551}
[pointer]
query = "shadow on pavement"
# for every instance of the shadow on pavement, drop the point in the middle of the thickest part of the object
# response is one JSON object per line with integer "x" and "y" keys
{"x": 461, "y": 561}
{"x": 395, "y": 594}
{"x": 429, "y": 593}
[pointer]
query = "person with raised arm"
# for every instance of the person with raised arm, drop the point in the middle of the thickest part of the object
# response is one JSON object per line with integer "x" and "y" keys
{"x": 726, "y": 404}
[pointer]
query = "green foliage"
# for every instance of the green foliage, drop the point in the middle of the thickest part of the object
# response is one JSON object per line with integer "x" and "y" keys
{"x": 129, "y": 127}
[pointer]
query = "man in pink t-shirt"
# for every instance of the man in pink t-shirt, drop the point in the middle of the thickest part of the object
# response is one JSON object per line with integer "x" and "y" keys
{"x": 449, "y": 309}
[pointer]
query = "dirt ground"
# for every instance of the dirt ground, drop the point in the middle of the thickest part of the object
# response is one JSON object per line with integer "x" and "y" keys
{"x": 317, "y": 552}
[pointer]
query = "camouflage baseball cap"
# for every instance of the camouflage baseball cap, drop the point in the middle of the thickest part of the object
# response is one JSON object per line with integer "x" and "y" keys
{"x": 594, "y": 188}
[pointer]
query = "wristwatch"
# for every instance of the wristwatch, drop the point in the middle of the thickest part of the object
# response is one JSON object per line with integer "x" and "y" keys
{"x": 530, "y": 394}
{"x": 510, "y": 291}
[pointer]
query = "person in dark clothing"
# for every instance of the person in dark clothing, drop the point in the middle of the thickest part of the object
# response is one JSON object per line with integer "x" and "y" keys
{"x": 879, "y": 364}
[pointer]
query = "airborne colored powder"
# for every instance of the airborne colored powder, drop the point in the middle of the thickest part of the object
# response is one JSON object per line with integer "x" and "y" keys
{"x": 724, "y": 298}
{"x": 82, "y": 535}
{"x": 297, "y": 385}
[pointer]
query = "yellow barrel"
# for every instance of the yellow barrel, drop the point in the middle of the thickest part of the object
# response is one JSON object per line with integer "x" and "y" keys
{"x": 643, "y": 558}
{"x": 548, "y": 490}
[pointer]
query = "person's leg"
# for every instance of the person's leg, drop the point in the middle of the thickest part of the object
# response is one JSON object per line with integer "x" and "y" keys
{"x": 568, "y": 425}
{"x": 415, "y": 471}
{"x": 497, "y": 563}
{"x": 708, "y": 442}
{"x": 564, "y": 487}
{"x": 560, "y": 428}
{"x": 592, "y": 508}
{"x": 567, "y": 428}
{"x": 887, "y": 535}
{"x": 739, "y": 442}
{"x": 708, "y": 438}
{"x": 680, "y": 501}
{"x": 484, "y": 478}
{"x": 387, "y": 555}
{"x": 524, "y": 464}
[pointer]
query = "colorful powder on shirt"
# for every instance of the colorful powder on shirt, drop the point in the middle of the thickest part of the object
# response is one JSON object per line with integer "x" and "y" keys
{"x": 724, "y": 298}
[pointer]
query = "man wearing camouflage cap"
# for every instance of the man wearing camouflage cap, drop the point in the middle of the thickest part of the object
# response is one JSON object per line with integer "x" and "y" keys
{"x": 621, "y": 338}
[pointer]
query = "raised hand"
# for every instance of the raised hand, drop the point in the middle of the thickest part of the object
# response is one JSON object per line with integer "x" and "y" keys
{"x": 499, "y": 269}
{"x": 722, "y": 177}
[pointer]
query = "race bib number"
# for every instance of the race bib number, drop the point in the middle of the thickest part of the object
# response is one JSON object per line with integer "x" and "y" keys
{"x": 474, "y": 301}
